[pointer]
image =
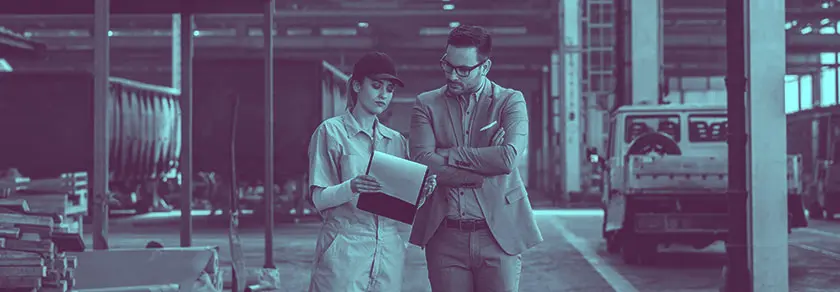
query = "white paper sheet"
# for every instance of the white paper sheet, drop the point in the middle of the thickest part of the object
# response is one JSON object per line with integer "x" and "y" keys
{"x": 400, "y": 178}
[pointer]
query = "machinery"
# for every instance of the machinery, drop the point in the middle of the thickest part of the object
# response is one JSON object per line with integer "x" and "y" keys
{"x": 666, "y": 180}
{"x": 814, "y": 134}
{"x": 49, "y": 128}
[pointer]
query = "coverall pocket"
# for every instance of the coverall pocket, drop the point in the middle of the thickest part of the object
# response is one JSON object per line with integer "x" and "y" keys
{"x": 330, "y": 241}
{"x": 515, "y": 195}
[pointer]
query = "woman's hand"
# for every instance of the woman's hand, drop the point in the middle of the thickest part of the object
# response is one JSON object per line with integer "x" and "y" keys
{"x": 429, "y": 186}
{"x": 365, "y": 184}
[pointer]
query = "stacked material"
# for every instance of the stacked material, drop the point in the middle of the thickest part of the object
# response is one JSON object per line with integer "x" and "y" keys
{"x": 65, "y": 196}
{"x": 30, "y": 259}
{"x": 186, "y": 267}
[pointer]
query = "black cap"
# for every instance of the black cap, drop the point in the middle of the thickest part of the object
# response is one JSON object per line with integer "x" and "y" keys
{"x": 377, "y": 66}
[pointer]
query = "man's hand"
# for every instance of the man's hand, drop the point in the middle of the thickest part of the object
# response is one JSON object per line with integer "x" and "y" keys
{"x": 498, "y": 138}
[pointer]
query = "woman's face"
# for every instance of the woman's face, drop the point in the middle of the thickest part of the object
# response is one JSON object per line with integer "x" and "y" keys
{"x": 374, "y": 96}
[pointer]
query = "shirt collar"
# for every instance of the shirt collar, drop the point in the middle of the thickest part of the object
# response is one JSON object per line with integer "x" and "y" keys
{"x": 353, "y": 127}
{"x": 480, "y": 92}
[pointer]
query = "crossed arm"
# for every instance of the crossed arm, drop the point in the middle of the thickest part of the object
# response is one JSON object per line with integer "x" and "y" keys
{"x": 467, "y": 166}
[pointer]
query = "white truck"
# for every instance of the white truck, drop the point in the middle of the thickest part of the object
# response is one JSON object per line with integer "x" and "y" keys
{"x": 666, "y": 179}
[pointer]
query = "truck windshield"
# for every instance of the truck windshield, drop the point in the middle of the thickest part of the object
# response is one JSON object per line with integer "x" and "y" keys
{"x": 707, "y": 128}
{"x": 642, "y": 124}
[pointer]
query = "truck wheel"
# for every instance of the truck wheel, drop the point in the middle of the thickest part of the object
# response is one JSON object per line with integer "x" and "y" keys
{"x": 613, "y": 247}
{"x": 636, "y": 251}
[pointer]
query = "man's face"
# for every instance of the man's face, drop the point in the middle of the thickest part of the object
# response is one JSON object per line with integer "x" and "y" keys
{"x": 463, "y": 69}
{"x": 374, "y": 96}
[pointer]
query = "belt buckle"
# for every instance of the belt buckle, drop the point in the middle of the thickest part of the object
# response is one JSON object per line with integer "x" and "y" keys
{"x": 461, "y": 224}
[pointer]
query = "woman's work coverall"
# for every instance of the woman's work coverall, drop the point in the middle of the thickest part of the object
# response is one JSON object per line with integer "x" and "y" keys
{"x": 356, "y": 250}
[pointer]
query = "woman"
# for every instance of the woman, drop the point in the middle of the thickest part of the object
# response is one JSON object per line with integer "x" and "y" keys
{"x": 356, "y": 250}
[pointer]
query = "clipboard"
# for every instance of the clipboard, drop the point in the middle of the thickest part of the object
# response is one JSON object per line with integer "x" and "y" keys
{"x": 389, "y": 204}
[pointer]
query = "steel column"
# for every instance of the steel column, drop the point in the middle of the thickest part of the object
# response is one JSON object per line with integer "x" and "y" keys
{"x": 555, "y": 169}
{"x": 570, "y": 114}
{"x": 101, "y": 65}
{"x": 176, "y": 51}
{"x": 738, "y": 277}
{"x": 645, "y": 50}
{"x": 816, "y": 88}
{"x": 546, "y": 162}
{"x": 268, "y": 37}
{"x": 622, "y": 93}
{"x": 187, "y": 24}
{"x": 766, "y": 153}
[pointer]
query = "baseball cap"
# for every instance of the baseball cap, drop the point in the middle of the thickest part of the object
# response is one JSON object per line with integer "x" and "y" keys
{"x": 377, "y": 66}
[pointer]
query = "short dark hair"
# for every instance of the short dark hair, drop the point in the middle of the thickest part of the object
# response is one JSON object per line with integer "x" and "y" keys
{"x": 465, "y": 36}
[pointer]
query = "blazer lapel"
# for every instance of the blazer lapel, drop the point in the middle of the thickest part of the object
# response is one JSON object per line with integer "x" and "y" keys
{"x": 455, "y": 122}
{"x": 483, "y": 117}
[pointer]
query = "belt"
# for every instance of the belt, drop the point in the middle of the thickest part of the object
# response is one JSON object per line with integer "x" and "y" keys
{"x": 466, "y": 225}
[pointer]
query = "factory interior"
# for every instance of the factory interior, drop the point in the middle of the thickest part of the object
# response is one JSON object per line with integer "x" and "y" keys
{"x": 141, "y": 139}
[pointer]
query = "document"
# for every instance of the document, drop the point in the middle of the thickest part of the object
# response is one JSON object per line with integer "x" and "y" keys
{"x": 401, "y": 180}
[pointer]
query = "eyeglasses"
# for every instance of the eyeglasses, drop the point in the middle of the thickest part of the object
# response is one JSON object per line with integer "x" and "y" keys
{"x": 462, "y": 71}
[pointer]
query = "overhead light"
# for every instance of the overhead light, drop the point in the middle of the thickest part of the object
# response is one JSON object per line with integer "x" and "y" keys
{"x": 363, "y": 24}
{"x": 196, "y": 33}
{"x": 338, "y": 31}
{"x": 5, "y": 66}
{"x": 454, "y": 24}
{"x": 807, "y": 30}
{"x": 448, "y": 6}
{"x": 110, "y": 33}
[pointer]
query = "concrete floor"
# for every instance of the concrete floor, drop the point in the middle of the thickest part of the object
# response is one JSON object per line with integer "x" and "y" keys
{"x": 572, "y": 258}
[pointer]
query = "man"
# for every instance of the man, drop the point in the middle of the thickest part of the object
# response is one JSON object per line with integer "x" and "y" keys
{"x": 472, "y": 133}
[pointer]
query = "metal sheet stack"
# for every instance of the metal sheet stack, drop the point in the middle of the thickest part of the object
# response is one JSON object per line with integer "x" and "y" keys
{"x": 29, "y": 258}
{"x": 33, "y": 238}
{"x": 65, "y": 196}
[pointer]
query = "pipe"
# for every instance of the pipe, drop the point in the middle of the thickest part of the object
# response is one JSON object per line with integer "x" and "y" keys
{"x": 187, "y": 22}
{"x": 268, "y": 47}
{"x": 738, "y": 277}
{"x": 621, "y": 29}
{"x": 101, "y": 66}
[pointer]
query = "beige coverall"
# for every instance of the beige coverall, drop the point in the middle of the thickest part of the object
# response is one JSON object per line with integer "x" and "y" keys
{"x": 356, "y": 250}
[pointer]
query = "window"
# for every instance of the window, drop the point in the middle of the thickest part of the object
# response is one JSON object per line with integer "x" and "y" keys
{"x": 707, "y": 128}
{"x": 643, "y": 124}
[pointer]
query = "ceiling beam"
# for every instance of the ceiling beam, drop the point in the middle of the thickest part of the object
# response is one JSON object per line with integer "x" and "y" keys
{"x": 795, "y": 42}
{"x": 60, "y": 7}
{"x": 670, "y": 71}
{"x": 299, "y": 42}
{"x": 720, "y": 13}
{"x": 77, "y": 15}
{"x": 64, "y": 9}
{"x": 13, "y": 45}
{"x": 296, "y": 18}
{"x": 511, "y": 59}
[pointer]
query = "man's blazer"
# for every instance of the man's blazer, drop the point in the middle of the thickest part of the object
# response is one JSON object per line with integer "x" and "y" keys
{"x": 436, "y": 140}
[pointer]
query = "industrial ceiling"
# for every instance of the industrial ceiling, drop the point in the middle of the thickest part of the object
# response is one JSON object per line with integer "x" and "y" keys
{"x": 525, "y": 32}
